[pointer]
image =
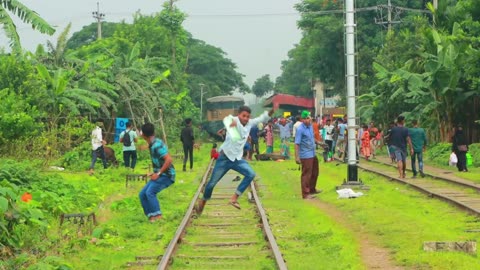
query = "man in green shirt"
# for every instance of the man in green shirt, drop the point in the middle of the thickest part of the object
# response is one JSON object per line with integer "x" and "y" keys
{"x": 419, "y": 142}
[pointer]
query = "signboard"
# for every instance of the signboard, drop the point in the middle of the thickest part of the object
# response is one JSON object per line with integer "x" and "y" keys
{"x": 120, "y": 125}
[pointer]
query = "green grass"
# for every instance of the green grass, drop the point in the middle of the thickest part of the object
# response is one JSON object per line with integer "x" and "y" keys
{"x": 307, "y": 237}
{"x": 393, "y": 216}
{"x": 126, "y": 232}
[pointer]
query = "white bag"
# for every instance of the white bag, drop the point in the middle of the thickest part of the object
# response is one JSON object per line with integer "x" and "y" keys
{"x": 348, "y": 193}
{"x": 453, "y": 159}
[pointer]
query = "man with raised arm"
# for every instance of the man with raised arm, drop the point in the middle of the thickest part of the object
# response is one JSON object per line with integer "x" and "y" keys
{"x": 231, "y": 153}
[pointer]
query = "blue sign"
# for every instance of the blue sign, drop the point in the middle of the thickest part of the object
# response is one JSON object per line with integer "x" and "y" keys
{"x": 120, "y": 125}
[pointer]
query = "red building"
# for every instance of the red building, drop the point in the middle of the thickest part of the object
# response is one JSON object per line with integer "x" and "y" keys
{"x": 290, "y": 103}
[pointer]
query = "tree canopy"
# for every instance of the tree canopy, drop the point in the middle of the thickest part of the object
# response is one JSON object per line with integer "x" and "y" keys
{"x": 423, "y": 68}
{"x": 262, "y": 86}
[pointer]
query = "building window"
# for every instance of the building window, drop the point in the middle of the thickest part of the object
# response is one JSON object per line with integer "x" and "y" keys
{"x": 215, "y": 114}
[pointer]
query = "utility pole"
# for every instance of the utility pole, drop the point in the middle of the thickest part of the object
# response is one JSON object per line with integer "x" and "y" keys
{"x": 352, "y": 173}
{"x": 99, "y": 17}
{"x": 389, "y": 17}
{"x": 201, "y": 101}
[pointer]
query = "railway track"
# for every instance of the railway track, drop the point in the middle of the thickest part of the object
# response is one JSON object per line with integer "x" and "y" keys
{"x": 463, "y": 193}
{"x": 224, "y": 237}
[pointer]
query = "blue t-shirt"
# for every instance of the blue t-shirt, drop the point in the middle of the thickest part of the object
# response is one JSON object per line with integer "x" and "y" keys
{"x": 254, "y": 134}
{"x": 398, "y": 137}
{"x": 306, "y": 141}
{"x": 342, "y": 128}
{"x": 158, "y": 151}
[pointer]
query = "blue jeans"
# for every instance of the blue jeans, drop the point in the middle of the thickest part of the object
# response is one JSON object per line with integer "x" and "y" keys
{"x": 148, "y": 195}
{"x": 222, "y": 166}
{"x": 100, "y": 152}
{"x": 420, "y": 162}
{"x": 126, "y": 158}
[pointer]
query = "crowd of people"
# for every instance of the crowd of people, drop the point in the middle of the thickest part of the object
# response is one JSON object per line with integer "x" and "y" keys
{"x": 241, "y": 139}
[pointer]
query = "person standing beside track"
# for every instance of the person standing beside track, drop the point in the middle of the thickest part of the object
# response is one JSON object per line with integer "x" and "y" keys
{"x": 460, "y": 147}
{"x": 329, "y": 138}
{"x": 399, "y": 138}
{"x": 305, "y": 154}
{"x": 254, "y": 141}
{"x": 230, "y": 157}
{"x": 188, "y": 140}
{"x": 419, "y": 142}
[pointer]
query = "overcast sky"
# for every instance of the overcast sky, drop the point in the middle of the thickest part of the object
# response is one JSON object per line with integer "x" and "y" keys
{"x": 257, "y": 44}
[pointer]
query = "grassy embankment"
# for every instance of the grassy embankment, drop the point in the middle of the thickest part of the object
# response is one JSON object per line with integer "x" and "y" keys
{"x": 124, "y": 231}
{"x": 391, "y": 215}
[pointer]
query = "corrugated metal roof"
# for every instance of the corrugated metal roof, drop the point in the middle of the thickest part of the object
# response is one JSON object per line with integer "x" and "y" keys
{"x": 224, "y": 99}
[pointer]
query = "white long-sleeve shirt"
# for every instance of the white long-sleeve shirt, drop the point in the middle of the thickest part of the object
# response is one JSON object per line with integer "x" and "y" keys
{"x": 97, "y": 138}
{"x": 234, "y": 149}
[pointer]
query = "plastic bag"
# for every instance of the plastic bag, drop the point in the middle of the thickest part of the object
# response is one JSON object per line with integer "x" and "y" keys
{"x": 348, "y": 193}
{"x": 453, "y": 159}
{"x": 233, "y": 131}
{"x": 469, "y": 159}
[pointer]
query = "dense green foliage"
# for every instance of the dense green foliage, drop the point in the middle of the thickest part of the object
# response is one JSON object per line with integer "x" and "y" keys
{"x": 146, "y": 70}
{"x": 26, "y": 15}
{"x": 424, "y": 68}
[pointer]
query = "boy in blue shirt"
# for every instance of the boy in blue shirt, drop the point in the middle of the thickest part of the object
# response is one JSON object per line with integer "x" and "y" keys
{"x": 162, "y": 177}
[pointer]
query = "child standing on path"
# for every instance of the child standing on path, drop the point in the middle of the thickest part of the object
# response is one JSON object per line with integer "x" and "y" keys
{"x": 269, "y": 136}
{"x": 162, "y": 177}
{"x": 230, "y": 157}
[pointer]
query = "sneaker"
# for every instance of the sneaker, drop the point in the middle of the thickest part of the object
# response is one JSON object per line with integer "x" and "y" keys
{"x": 414, "y": 176}
{"x": 422, "y": 174}
{"x": 309, "y": 197}
{"x": 316, "y": 191}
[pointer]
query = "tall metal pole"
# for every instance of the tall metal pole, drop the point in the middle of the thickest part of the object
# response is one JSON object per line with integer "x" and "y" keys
{"x": 389, "y": 16}
{"x": 201, "y": 101}
{"x": 350, "y": 56}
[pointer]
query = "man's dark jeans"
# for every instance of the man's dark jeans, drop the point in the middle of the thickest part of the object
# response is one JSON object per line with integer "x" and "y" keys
{"x": 420, "y": 162}
{"x": 127, "y": 155}
{"x": 187, "y": 152}
{"x": 99, "y": 152}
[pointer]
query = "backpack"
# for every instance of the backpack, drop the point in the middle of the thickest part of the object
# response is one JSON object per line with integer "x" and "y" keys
{"x": 127, "y": 141}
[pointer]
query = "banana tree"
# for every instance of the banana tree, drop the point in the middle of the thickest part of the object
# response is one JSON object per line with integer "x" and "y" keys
{"x": 62, "y": 98}
{"x": 441, "y": 86}
{"x": 26, "y": 15}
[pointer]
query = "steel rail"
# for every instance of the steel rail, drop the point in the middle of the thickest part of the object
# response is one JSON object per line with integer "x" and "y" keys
{"x": 424, "y": 190}
{"x": 181, "y": 228}
{"x": 168, "y": 255}
{"x": 465, "y": 183}
{"x": 268, "y": 231}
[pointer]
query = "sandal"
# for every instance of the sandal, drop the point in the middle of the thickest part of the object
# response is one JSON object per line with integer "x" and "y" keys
{"x": 235, "y": 204}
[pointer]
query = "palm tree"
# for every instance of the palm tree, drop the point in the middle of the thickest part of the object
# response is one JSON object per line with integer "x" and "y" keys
{"x": 26, "y": 15}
